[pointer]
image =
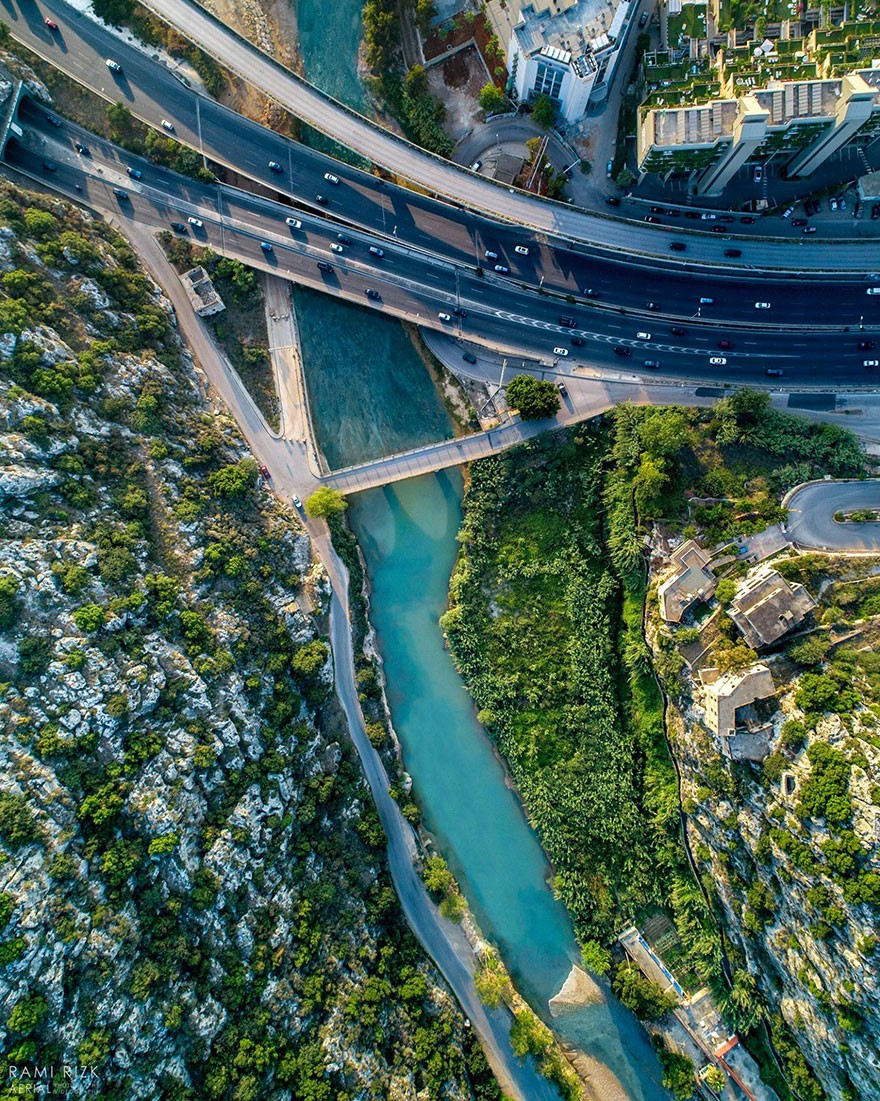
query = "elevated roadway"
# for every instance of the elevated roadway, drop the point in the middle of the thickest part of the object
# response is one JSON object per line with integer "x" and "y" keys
{"x": 152, "y": 92}
{"x": 499, "y": 312}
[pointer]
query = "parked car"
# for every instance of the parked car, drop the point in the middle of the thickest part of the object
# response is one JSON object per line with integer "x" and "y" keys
{"x": 491, "y": 255}
{"x": 872, "y": 362}
{"x": 166, "y": 125}
{"x": 799, "y": 221}
{"x": 560, "y": 351}
{"x": 560, "y": 386}
{"x": 460, "y": 311}
{"x": 706, "y": 301}
{"x": 609, "y": 168}
{"x": 708, "y": 217}
{"x": 264, "y": 470}
{"x": 787, "y": 213}
{"x": 651, "y": 219}
{"x": 178, "y": 227}
{"x": 197, "y": 222}
{"x": 476, "y": 166}
{"x": 55, "y": 121}
{"x": 809, "y": 229}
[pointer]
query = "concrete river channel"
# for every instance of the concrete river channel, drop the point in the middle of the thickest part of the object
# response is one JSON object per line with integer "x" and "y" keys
{"x": 371, "y": 394}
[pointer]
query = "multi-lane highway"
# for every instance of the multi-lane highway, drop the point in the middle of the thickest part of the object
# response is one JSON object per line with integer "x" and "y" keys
{"x": 683, "y": 336}
{"x": 80, "y": 48}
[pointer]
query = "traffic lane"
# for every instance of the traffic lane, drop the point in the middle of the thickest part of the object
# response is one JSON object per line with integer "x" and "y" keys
{"x": 173, "y": 94}
{"x": 567, "y": 270}
{"x": 423, "y": 291}
{"x": 811, "y": 511}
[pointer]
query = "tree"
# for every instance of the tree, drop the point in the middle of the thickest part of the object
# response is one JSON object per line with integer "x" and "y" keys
{"x": 534, "y": 398}
{"x": 741, "y": 1004}
{"x": 544, "y": 112}
{"x": 491, "y": 100}
{"x": 716, "y": 1079}
{"x": 324, "y": 503}
{"x": 640, "y": 994}
{"x": 624, "y": 178}
{"x": 595, "y": 957}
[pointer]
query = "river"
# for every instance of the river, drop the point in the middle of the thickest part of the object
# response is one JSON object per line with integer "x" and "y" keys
{"x": 407, "y": 534}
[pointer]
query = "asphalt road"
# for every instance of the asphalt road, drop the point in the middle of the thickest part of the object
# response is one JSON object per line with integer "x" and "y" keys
{"x": 152, "y": 92}
{"x": 811, "y": 520}
{"x": 501, "y": 313}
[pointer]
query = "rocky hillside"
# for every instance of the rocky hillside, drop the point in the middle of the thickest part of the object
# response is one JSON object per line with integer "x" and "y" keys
{"x": 194, "y": 898}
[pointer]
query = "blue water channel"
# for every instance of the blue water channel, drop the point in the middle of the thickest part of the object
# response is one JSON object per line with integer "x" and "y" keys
{"x": 408, "y": 533}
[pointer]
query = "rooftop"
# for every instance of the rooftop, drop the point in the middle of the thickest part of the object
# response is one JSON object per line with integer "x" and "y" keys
{"x": 691, "y": 581}
{"x": 768, "y": 607}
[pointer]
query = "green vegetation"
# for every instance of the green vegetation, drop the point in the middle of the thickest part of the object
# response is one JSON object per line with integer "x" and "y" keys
{"x": 324, "y": 503}
{"x": 638, "y": 993}
{"x": 535, "y": 398}
{"x": 492, "y": 100}
{"x": 544, "y": 112}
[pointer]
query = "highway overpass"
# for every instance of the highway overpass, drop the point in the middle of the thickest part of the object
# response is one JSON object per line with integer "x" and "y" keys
{"x": 152, "y": 93}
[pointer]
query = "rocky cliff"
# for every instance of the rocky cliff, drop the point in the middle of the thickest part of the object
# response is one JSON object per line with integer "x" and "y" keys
{"x": 194, "y": 898}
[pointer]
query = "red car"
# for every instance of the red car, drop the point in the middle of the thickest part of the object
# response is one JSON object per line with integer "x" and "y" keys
{"x": 264, "y": 470}
{"x": 51, "y": 24}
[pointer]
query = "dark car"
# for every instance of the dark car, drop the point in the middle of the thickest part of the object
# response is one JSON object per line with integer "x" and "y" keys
{"x": 691, "y": 214}
{"x": 48, "y": 166}
{"x": 725, "y": 344}
{"x": 620, "y": 350}
{"x": 748, "y": 221}
{"x": 119, "y": 193}
{"x": 560, "y": 386}
{"x": 678, "y": 331}
{"x": 799, "y": 221}
{"x": 733, "y": 252}
{"x": 578, "y": 341}
{"x": 657, "y": 210}
{"x": 370, "y": 293}
{"x": 275, "y": 166}
{"x": 324, "y": 266}
{"x": 673, "y": 213}
{"x": 469, "y": 357}
{"x": 613, "y": 200}
{"x": 650, "y": 218}
{"x": 726, "y": 218}
{"x": 344, "y": 239}
{"x": 322, "y": 199}
{"x": 865, "y": 345}
{"x": 774, "y": 372}
{"x": 652, "y": 363}
{"x": 678, "y": 246}
{"x": 178, "y": 227}
{"x": 718, "y": 229}
{"x": 460, "y": 311}
{"x": 266, "y": 247}
{"x": 135, "y": 173}
{"x": 55, "y": 120}
{"x": 80, "y": 148}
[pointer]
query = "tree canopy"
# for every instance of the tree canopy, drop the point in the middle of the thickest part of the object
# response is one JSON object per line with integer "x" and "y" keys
{"x": 534, "y": 398}
{"x": 324, "y": 503}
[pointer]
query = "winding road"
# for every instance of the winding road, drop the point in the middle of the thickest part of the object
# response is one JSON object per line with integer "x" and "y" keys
{"x": 811, "y": 511}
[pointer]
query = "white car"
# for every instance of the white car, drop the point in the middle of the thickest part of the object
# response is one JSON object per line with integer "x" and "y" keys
{"x": 335, "y": 247}
{"x": 197, "y": 222}
{"x": 872, "y": 363}
{"x": 169, "y": 126}
{"x": 762, "y": 305}
{"x": 330, "y": 178}
{"x": 521, "y": 249}
{"x": 706, "y": 301}
{"x": 833, "y": 204}
{"x": 787, "y": 213}
{"x": 643, "y": 336}
{"x": 113, "y": 66}
{"x": 560, "y": 351}
{"x": 717, "y": 361}
{"x": 376, "y": 251}
{"x": 294, "y": 223}
{"x": 708, "y": 217}
{"x": 873, "y": 290}
{"x": 444, "y": 316}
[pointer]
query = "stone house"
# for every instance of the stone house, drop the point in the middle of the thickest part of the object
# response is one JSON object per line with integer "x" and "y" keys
{"x": 691, "y": 582}
{"x": 768, "y": 607}
{"x": 729, "y": 703}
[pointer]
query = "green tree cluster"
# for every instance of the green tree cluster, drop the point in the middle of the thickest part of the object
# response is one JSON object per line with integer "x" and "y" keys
{"x": 535, "y": 398}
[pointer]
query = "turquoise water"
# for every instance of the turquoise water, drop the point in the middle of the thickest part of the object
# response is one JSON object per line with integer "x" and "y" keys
{"x": 407, "y": 533}
{"x": 329, "y": 40}
{"x": 369, "y": 390}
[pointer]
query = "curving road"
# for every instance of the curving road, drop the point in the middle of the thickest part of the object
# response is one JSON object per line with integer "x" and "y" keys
{"x": 811, "y": 522}
{"x": 152, "y": 92}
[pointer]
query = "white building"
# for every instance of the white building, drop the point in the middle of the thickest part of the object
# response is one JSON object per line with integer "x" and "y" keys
{"x": 563, "y": 49}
